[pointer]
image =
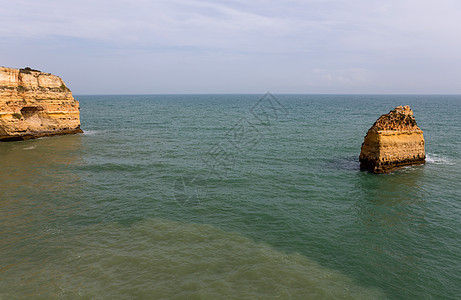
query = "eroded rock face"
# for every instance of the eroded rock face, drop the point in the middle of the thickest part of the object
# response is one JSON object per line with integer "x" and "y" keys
{"x": 35, "y": 104}
{"x": 394, "y": 140}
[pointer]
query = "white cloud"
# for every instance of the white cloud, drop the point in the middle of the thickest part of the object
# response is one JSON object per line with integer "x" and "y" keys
{"x": 351, "y": 77}
{"x": 357, "y": 43}
{"x": 357, "y": 25}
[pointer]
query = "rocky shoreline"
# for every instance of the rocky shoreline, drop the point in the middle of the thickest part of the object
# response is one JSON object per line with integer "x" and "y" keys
{"x": 35, "y": 104}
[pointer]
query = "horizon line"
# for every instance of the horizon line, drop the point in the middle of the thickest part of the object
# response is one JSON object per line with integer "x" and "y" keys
{"x": 313, "y": 94}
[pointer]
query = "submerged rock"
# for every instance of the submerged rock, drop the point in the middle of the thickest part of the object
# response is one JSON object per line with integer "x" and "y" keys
{"x": 394, "y": 140}
{"x": 35, "y": 104}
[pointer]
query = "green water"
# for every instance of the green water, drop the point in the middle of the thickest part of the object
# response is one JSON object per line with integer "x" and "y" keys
{"x": 139, "y": 207}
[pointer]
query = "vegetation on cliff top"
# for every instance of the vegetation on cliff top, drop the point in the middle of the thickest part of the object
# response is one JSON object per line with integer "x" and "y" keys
{"x": 396, "y": 119}
{"x": 28, "y": 70}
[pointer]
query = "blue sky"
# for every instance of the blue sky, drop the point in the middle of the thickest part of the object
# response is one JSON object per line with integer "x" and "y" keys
{"x": 204, "y": 46}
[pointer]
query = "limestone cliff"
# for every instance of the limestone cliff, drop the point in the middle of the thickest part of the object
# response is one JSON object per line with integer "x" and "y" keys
{"x": 35, "y": 104}
{"x": 393, "y": 141}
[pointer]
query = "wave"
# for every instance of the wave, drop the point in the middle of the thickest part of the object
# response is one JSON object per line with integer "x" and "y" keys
{"x": 438, "y": 159}
{"x": 91, "y": 132}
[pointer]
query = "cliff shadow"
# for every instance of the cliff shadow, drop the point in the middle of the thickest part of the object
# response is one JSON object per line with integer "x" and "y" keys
{"x": 346, "y": 163}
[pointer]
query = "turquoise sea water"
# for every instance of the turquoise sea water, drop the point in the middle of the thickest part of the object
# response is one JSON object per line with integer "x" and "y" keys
{"x": 222, "y": 196}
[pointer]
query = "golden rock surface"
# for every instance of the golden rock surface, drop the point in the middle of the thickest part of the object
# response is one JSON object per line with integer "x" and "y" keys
{"x": 35, "y": 104}
{"x": 394, "y": 140}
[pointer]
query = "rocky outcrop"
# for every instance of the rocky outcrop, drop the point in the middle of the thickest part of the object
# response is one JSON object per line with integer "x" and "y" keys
{"x": 35, "y": 104}
{"x": 394, "y": 140}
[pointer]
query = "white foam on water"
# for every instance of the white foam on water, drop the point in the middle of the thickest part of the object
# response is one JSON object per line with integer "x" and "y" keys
{"x": 30, "y": 148}
{"x": 91, "y": 132}
{"x": 437, "y": 159}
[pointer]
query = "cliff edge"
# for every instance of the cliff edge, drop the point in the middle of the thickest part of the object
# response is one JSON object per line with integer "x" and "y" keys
{"x": 394, "y": 140}
{"x": 35, "y": 104}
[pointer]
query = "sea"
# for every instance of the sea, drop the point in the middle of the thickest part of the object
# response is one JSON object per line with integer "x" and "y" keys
{"x": 255, "y": 196}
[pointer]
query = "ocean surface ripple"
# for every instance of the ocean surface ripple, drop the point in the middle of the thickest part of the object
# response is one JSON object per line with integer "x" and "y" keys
{"x": 219, "y": 196}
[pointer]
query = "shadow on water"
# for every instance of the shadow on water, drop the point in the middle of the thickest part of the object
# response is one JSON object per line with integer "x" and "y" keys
{"x": 37, "y": 196}
{"x": 349, "y": 163}
{"x": 391, "y": 215}
{"x": 390, "y": 199}
{"x": 43, "y": 165}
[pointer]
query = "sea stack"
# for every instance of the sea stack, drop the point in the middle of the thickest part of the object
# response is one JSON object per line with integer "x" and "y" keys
{"x": 394, "y": 140}
{"x": 35, "y": 104}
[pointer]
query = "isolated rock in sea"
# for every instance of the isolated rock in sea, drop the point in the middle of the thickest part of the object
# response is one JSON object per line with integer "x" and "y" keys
{"x": 394, "y": 140}
{"x": 35, "y": 104}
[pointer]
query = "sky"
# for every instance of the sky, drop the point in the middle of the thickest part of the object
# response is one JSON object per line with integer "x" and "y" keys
{"x": 238, "y": 46}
